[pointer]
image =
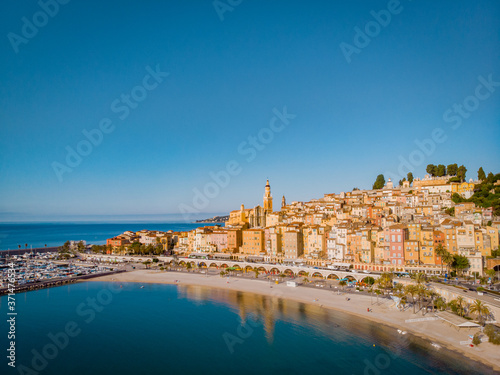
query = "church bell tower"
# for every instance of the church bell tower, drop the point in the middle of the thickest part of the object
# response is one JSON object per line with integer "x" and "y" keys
{"x": 268, "y": 198}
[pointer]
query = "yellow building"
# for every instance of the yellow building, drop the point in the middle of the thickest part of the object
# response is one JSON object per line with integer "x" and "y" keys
{"x": 464, "y": 188}
{"x": 253, "y": 241}
{"x": 427, "y": 246}
{"x": 494, "y": 236}
{"x": 414, "y": 231}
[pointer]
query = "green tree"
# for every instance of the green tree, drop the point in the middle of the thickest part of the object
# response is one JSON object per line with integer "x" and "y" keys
{"x": 496, "y": 253}
{"x": 411, "y": 290}
{"x": 460, "y": 263}
{"x": 379, "y": 182}
{"x": 461, "y": 172}
{"x": 409, "y": 177}
{"x": 491, "y": 177}
{"x": 431, "y": 169}
{"x": 441, "y": 170}
{"x": 481, "y": 175}
{"x": 370, "y": 280}
{"x": 65, "y": 247}
{"x": 476, "y": 340}
{"x": 479, "y": 308}
{"x": 440, "y": 252}
{"x": 80, "y": 246}
{"x": 421, "y": 292}
{"x": 448, "y": 259}
{"x": 457, "y": 198}
{"x": 452, "y": 169}
{"x": 420, "y": 278}
{"x": 491, "y": 273}
{"x": 440, "y": 303}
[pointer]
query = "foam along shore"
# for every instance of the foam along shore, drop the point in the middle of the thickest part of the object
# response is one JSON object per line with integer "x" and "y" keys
{"x": 435, "y": 331}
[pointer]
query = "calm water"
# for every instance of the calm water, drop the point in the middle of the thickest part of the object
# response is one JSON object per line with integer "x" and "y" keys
{"x": 194, "y": 330}
{"x": 55, "y": 234}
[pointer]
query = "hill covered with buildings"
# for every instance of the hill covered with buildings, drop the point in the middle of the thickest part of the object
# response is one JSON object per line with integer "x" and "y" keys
{"x": 426, "y": 224}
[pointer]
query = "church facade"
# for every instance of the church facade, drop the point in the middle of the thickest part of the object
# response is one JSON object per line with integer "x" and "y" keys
{"x": 246, "y": 218}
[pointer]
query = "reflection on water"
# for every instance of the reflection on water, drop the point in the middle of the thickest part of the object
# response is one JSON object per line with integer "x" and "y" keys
{"x": 344, "y": 329}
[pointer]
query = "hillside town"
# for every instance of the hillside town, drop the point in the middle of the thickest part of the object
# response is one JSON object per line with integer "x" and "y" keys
{"x": 430, "y": 225}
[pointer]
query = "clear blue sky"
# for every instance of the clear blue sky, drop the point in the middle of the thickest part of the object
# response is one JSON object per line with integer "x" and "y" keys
{"x": 353, "y": 120}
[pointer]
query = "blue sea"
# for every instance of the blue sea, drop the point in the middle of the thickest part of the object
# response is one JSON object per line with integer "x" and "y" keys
{"x": 102, "y": 328}
{"x": 55, "y": 234}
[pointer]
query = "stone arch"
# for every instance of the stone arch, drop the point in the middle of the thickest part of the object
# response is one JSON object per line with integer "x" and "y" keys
{"x": 333, "y": 276}
{"x": 248, "y": 268}
{"x": 213, "y": 265}
{"x": 303, "y": 273}
{"x": 224, "y": 265}
{"x": 237, "y": 266}
{"x": 363, "y": 279}
{"x": 202, "y": 265}
{"x": 289, "y": 272}
{"x": 317, "y": 274}
{"x": 261, "y": 269}
{"x": 275, "y": 270}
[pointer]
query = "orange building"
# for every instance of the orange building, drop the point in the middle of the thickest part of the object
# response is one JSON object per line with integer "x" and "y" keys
{"x": 412, "y": 252}
{"x": 234, "y": 238}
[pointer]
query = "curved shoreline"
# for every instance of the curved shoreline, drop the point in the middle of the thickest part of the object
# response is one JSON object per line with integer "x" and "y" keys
{"x": 383, "y": 313}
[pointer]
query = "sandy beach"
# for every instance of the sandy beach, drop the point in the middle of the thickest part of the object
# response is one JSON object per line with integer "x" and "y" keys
{"x": 384, "y": 312}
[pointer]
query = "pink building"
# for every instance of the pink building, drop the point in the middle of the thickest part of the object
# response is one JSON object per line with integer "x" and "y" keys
{"x": 219, "y": 239}
{"x": 395, "y": 235}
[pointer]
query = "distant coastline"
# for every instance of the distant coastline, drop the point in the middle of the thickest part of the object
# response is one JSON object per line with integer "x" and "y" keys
{"x": 215, "y": 219}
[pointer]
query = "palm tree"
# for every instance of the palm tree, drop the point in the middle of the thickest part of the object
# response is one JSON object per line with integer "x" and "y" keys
{"x": 385, "y": 280}
{"x": 398, "y": 288}
{"x": 448, "y": 259}
{"x": 420, "y": 278}
{"x": 378, "y": 292}
{"x": 421, "y": 291}
{"x": 440, "y": 303}
{"x": 411, "y": 290}
{"x": 433, "y": 296}
{"x": 399, "y": 292}
{"x": 461, "y": 305}
{"x": 441, "y": 251}
{"x": 480, "y": 309}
